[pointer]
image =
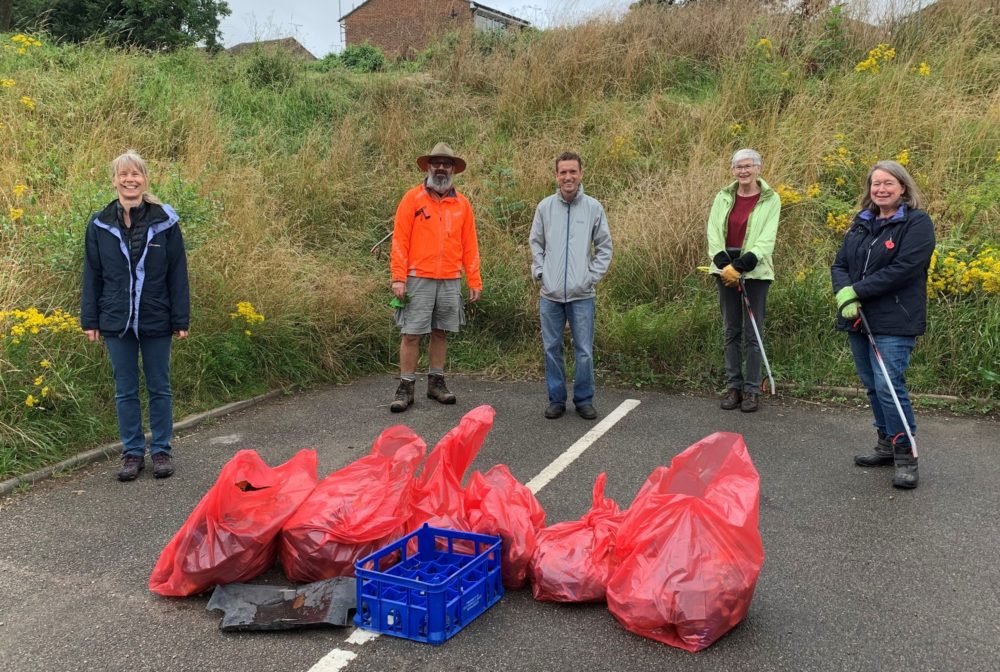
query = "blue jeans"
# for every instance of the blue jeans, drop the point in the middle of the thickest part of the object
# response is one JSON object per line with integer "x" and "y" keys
{"x": 896, "y": 357}
{"x": 124, "y": 353}
{"x": 554, "y": 316}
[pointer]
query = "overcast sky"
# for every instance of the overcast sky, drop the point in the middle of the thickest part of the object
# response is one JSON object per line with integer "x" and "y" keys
{"x": 315, "y": 24}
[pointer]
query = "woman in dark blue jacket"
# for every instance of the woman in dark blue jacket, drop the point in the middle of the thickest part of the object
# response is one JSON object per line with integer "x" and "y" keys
{"x": 135, "y": 295}
{"x": 881, "y": 270}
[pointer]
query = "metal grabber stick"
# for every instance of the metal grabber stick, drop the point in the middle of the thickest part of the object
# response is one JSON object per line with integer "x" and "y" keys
{"x": 756, "y": 332}
{"x": 888, "y": 382}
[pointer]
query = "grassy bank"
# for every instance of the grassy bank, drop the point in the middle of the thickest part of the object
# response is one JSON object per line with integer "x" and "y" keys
{"x": 285, "y": 176}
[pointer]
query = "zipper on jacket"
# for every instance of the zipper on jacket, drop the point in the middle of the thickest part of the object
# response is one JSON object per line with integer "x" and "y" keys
{"x": 566, "y": 258}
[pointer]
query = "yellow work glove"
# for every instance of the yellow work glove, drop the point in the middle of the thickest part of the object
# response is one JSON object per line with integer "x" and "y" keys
{"x": 730, "y": 276}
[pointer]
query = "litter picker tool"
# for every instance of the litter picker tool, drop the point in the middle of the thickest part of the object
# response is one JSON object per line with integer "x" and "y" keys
{"x": 888, "y": 382}
{"x": 756, "y": 333}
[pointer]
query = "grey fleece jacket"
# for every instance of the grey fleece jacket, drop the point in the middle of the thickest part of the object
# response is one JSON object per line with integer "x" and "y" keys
{"x": 570, "y": 247}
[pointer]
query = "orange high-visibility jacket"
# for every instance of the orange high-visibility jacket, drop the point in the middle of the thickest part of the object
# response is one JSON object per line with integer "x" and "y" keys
{"x": 435, "y": 238}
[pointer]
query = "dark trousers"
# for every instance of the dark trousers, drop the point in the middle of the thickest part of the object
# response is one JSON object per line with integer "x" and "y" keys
{"x": 739, "y": 336}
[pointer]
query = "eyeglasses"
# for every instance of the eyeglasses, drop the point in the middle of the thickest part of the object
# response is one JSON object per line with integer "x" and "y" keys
{"x": 740, "y": 169}
{"x": 442, "y": 163}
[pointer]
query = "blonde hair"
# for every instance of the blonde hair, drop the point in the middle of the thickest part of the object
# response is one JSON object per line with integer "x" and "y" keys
{"x": 130, "y": 157}
{"x": 911, "y": 194}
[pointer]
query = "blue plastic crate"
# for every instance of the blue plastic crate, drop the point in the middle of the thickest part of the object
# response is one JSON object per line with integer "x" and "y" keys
{"x": 429, "y": 584}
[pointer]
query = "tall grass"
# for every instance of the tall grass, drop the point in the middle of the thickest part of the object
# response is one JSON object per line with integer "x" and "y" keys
{"x": 285, "y": 176}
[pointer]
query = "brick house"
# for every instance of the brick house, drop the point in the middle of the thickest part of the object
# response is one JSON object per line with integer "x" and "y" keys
{"x": 404, "y": 27}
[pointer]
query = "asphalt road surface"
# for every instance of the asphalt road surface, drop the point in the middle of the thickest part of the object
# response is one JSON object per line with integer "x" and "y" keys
{"x": 857, "y": 575}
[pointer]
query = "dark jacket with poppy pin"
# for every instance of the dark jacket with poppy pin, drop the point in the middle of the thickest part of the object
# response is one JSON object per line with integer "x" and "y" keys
{"x": 886, "y": 262}
{"x": 151, "y": 295}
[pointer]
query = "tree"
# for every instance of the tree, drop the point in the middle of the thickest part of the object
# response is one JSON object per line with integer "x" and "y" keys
{"x": 149, "y": 24}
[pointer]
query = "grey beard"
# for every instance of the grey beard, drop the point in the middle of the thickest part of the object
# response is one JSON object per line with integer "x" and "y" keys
{"x": 439, "y": 183}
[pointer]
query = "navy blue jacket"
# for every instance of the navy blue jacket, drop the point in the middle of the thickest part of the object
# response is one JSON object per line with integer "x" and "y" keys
{"x": 886, "y": 262}
{"x": 152, "y": 298}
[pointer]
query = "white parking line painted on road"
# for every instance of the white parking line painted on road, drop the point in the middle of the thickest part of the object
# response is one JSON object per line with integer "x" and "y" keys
{"x": 334, "y": 661}
{"x": 360, "y": 636}
{"x": 576, "y": 450}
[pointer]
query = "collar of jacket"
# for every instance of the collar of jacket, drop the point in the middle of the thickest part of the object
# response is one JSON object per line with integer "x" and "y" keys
{"x": 433, "y": 194}
{"x": 869, "y": 216}
{"x": 576, "y": 199}
{"x": 135, "y": 213}
{"x": 766, "y": 191}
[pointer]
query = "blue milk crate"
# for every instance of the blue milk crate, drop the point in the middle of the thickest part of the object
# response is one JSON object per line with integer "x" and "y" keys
{"x": 429, "y": 584}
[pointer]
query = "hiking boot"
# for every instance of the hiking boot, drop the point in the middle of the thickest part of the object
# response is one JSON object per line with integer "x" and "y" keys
{"x": 906, "y": 468}
{"x": 163, "y": 465}
{"x": 587, "y": 412}
{"x": 553, "y": 411}
{"x": 131, "y": 466}
{"x": 750, "y": 403}
{"x": 880, "y": 457}
{"x": 404, "y": 396}
{"x": 436, "y": 389}
{"x": 731, "y": 400}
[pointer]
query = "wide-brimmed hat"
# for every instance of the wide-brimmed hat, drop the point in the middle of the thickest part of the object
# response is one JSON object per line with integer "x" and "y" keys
{"x": 442, "y": 151}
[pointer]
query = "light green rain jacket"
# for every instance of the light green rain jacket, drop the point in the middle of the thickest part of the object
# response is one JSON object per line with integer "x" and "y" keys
{"x": 762, "y": 228}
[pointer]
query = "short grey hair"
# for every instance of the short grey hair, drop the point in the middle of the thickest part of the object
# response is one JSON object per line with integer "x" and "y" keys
{"x": 747, "y": 153}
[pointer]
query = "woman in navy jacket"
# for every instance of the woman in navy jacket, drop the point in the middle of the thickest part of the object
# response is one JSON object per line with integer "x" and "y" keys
{"x": 881, "y": 269}
{"x": 135, "y": 295}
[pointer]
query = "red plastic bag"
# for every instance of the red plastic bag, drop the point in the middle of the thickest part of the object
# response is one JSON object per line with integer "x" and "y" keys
{"x": 354, "y": 511}
{"x": 440, "y": 499}
{"x": 690, "y": 547}
{"x": 575, "y": 559}
{"x": 231, "y": 535}
{"x": 496, "y": 503}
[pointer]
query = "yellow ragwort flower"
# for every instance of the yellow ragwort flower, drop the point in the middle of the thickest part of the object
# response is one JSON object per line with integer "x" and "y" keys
{"x": 39, "y": 380}
{"x": 45, "y": 363}
{"x": 30, "y": 401}
{"x": 923, "y": 70}
{"x": 45, "y": 391}
{"x": 28, "y": 102}
{"x": 735, "y": 129}
{"x": 813, "y": 190}
{"x": 903, "y": 158}
{"x": 7, "y": 83}
{"x": 16, "y": 213}
{"x": 20, "y": 190}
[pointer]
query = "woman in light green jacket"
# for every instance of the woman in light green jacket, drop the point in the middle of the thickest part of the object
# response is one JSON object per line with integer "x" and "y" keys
{"x": 742, "y": 227}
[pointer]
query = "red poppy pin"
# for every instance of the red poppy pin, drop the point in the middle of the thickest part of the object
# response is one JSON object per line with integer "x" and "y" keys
{"x": 889, "y": 244}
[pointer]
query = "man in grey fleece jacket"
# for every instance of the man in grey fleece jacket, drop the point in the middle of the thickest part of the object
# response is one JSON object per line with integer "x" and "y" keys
{"x": 570, "y": 252}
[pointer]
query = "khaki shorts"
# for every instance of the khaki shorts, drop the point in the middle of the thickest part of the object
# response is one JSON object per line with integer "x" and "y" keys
{"x": 431, "y": 304}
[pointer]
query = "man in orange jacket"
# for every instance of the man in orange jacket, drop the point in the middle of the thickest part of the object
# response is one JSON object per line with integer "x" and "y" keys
{"x": 433, "y": 240}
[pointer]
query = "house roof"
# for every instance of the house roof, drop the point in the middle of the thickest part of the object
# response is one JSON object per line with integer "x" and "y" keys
{"x": 287, "y": 43}
{"x": 472, "y": 6}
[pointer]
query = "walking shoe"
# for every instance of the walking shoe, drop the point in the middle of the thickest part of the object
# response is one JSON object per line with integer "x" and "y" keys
{"x": 553, "y": 411}
{"x": 436, "y": 389}
{"x": 163, "y": 465}
{"x": 131, "y": 466}
{"x": 880, "y": 457}
{"x": 587, "y": 412}
{"x": 906, "y": 468}
{"x": 404, "y": 396}
{"x": 731, "y": 400}
{"x": 750, "y": 403}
